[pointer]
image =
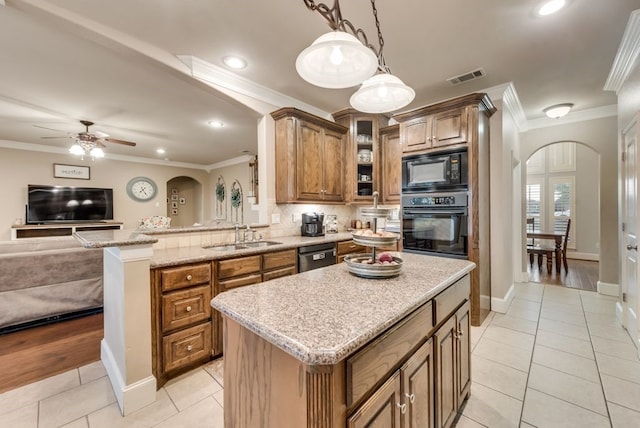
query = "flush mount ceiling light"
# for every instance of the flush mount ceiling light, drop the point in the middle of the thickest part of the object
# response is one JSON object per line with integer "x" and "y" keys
{"x": 234, "y": 62}
{"x": 215, "y": 124}
{"x": 345, "y": 58}
{"x": 558, "y": 110}
{"x": 550, "y": 7}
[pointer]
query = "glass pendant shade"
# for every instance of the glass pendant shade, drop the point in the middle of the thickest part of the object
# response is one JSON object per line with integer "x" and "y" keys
{"x": 336, "y": 60}
{"x": 382, "y": 93}
{"x": 97, "y": 152}
{"x": 76, "y": 149}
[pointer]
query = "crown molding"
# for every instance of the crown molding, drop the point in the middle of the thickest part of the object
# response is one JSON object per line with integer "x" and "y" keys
{"x": 573, "y": 117}
{"x": 231, "y": 162}
{"x": 627, "y": 56}
{"x": 511, "y": 103}
{"x": 218, "y": 76}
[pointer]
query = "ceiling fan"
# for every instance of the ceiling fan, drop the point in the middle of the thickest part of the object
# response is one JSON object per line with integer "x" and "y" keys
{"x": 86, "y": 142}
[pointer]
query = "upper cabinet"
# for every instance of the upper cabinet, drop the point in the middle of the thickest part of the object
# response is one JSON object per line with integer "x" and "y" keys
{"x": 438, "y": 125}
{"x": 391, "y": 160}
{"x": 310, "y": 152}
{"x": 362, "y": 161}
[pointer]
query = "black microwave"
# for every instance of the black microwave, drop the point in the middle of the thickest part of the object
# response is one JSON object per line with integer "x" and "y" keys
{"x": 434, "y": 171}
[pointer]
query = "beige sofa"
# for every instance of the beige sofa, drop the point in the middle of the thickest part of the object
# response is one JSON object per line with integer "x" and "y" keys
{"x": 47, "y": 278}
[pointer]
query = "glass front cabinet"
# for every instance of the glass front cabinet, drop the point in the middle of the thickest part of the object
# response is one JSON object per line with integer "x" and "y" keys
{"x": 362, "y": 163}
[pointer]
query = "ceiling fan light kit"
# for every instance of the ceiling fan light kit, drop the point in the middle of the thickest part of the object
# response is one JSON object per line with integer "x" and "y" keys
{"x": 344, "y": 58}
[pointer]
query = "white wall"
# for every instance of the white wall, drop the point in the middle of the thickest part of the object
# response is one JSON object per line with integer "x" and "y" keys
{"x": 242, "y": 173}
{"x": 601, "y": 136}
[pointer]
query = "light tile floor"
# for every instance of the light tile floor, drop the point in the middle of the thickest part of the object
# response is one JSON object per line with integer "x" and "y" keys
{"x": 557, "y": 358}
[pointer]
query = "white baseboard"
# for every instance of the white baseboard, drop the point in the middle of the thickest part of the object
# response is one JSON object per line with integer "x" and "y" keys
{"x": 130, "y": 397}
{"x": 594, "y": 257}
{"x": 608, "y": 289}
{"x": 502, "y": 304}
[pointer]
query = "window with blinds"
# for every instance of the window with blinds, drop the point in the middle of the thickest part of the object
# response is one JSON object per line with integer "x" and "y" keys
{"x": 534, "y": 202}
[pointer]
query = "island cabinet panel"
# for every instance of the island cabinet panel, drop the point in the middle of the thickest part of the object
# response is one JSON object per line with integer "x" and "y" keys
{"x": 309, "y": 158}
{"x": 182, "y": 331}
{"x": 382, "y": 409}
{"x": 453, "y": 369}
{"x": 418, "y": 388}
{"x": 373, "y": 363}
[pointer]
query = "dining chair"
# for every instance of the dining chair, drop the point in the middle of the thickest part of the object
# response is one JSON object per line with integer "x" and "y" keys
{"x": 563, "y": 250}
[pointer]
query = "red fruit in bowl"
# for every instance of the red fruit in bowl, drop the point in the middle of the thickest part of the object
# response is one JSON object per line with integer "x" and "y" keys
{"x": 385, "y": 257}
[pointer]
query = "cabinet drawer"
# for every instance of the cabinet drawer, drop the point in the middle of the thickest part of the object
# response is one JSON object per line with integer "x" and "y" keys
{"x": 350, "y": 247}
{"x": 228, "y": 284}
{"x": 279, "y": 259}
{"x": 240, "y": 266}
{"x": 291, "y": 270}
{"x": 185, "y": 276}
{"x": 181, "y": 308}
{"x": 187, "y": 346}
{"x": 373, "y": 362}
{"x": 447, "y": 301}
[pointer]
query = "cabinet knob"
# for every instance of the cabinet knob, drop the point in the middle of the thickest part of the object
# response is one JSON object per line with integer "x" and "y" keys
{"x": 460, "y": 333}
{"x": 632, "y": 247}
{"x": 189, "y": 348}
{"x": 411, "y": 397}
{"x": 403, "y": 407}
{"x": 189, "y": 277}
{"x": 433, "y": 137}
{"x": 188, "y": 308}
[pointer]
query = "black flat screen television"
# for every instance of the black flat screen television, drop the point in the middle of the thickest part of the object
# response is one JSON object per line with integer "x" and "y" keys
{"x": 60, "y": 204}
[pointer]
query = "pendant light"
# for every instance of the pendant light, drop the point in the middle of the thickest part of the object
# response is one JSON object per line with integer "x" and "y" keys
{"x": 344, "y": 58}
{"x": 336, "y": 60}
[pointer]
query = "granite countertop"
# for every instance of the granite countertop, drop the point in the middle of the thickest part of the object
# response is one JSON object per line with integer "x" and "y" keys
{"x": 322, "y": 316}
{"x": 113, "y": 238}
{"x": 193, "y": 254}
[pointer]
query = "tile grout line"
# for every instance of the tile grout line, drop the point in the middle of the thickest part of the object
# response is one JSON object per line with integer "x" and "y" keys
{"x": 535, "y": 339}
{"x": 604, "y": 395}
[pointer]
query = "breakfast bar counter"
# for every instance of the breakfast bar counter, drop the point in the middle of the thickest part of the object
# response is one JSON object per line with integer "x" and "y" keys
{"x": 318, "y": 349}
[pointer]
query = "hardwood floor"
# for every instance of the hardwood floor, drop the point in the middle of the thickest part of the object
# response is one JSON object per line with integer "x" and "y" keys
{"x": 39, "y": 352}
{"x": 582, "y": 274}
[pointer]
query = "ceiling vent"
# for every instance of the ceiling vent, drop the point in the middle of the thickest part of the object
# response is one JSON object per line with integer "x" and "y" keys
{"x": 475, "y": 74}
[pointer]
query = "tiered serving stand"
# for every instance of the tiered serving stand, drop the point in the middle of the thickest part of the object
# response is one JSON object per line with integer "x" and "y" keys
{"x": 373, "y": 270}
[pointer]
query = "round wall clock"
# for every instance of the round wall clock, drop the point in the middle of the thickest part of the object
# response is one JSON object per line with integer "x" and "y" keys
{"x": 141, "y": 189}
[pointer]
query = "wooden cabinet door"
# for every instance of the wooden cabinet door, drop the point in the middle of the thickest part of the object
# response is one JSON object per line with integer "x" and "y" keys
{"x": 449, "y": 127}
{"x": 447, "y": 397}
{"x": 416, "y": 134}
{"x": 333, "y": 167}
{"x": 391, "y": 150}
{"x": 382, "y": 410}
{"x": 309, "y": 161}
{"x": 464, "y": 352}
{"x": 417, "y": 388}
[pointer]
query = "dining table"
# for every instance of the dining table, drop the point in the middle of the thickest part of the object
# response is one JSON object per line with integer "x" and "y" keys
{"x": 556, "y": 237}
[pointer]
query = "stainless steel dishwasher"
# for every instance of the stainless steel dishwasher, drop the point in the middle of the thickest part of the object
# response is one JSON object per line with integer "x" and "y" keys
{"x": 316, "y": 256}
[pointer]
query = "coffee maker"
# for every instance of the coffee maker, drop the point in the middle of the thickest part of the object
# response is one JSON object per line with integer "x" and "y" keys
{"x": 312, "y": 224}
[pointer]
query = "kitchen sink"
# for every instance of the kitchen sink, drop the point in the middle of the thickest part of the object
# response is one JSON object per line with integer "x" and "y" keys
{"x": 255, "y": 244}
{"x": 225, "y": 247}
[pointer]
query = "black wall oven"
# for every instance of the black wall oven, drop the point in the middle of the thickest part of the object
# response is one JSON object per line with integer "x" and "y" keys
{"x": 435, "y": 223}
{"x": 434, "y": 172}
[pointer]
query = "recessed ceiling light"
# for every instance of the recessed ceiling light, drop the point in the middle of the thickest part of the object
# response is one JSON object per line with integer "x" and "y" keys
{"x": 215, "y": 124}
{"x": 160, "y": 151}
{"x": 234, "y": 62}
{"x": 558, "y": 110}
{"x": 551, "y": 7}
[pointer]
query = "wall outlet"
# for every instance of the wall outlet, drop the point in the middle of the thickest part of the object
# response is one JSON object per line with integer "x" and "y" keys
{"x": 275, "y": 218}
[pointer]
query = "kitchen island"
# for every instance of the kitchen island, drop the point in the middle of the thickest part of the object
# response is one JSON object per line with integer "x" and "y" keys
{"x": 325, "y": 348}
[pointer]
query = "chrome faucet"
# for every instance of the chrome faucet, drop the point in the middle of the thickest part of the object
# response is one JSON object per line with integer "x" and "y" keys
{"x": 237, "y": 237}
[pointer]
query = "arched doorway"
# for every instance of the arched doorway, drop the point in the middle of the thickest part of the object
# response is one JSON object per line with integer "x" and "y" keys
{"x": 184, "y": 201}
{"x": 562, "y": 183}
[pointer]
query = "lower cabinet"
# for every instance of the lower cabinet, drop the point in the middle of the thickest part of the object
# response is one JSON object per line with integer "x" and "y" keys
{"x": 405, "y": 399}
{"x": 453, "y": 366}
{"x": 349, "y": 247}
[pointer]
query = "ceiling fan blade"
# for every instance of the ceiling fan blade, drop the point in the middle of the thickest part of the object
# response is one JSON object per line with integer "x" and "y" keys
{"x": 50, "y": 129}
{"x": 114, "y": 140}
{"x": 100, "y": 134}
{"x": 49, "y": 138}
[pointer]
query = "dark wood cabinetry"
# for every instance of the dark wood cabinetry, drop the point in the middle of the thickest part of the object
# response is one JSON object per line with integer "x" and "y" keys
{"x": 182, "y": 333}
{"x": 461, "y": 123}
{"x": 391, "y": 160}
{"x": 310, "y": 153}
{"x": 362, "y": 162}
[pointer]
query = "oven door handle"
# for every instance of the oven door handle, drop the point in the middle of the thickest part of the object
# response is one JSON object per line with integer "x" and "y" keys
{"x": 416, "y": 213}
